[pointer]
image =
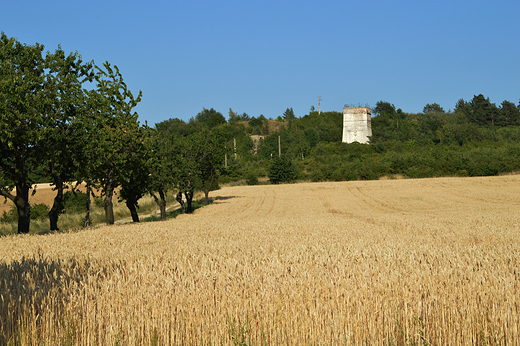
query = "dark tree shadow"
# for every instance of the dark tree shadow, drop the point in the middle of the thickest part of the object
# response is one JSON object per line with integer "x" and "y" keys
{"x": 219, "y": 199}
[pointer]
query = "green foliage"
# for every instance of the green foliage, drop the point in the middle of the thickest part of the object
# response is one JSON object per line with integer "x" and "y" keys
{"x": 23, "y": 124}
{"x": 74, "y": 202}
{"x": 480, "y": 111}
{"x": 39, "y": 211}
{"x": 289, "y": 114}
{"x": 252, "y": 179}
{"x": 10, "y": 216}
{"x": 383, "y": 107}
{"x": 281, "y": 171}
{"x": 232, "y": 172}
{"x": 209, "y": 118}
{"x": 235, "y": 117}
{"x": 433, "y": 108}
{"x": 255, "y": 122}
{"x": 176, "y": 128}
{"x": 114, "y": 136}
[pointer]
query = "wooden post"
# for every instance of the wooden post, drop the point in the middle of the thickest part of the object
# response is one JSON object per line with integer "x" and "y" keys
{"x": 279, "y": 147}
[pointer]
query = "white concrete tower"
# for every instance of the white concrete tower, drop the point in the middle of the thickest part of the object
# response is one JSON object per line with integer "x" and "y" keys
{"x": 357, "y": 124}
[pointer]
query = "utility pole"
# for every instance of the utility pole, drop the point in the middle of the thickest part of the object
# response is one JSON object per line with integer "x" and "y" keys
{"x": 319, "y": 105}
{"x": 279, "y": 147}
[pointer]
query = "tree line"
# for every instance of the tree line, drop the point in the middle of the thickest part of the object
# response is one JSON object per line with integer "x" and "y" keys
{"x": 64, "y": 120}
{"x": 476, "y": 138}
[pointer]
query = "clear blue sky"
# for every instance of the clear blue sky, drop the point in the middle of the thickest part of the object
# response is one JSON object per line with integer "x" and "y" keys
{"x": 261, "y": 57}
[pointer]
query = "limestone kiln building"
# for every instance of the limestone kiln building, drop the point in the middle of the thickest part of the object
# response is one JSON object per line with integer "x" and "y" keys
{"x": 357, "y": 124}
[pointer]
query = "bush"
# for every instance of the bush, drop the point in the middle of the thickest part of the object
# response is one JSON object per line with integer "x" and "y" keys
{"x": 10, "y": 216}
{"x": 281, "y": 171}
{"x": 74, "y": 201}
{"x": 39, "y": 211}
{"x": 252, "y": 179}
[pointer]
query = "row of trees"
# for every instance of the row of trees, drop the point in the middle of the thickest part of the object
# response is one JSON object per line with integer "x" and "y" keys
{"x": 53, "y": 127}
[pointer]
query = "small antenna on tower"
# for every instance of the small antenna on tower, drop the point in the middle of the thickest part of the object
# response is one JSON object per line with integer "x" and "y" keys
{"x": 319, "y": 105}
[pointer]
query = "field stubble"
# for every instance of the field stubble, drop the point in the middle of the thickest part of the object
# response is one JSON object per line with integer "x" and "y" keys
{"x": 431, "y": 261}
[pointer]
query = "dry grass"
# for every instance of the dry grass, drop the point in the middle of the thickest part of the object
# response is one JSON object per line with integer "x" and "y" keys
{"x": 74, "y": 221}
{"x": 402, "y": 262}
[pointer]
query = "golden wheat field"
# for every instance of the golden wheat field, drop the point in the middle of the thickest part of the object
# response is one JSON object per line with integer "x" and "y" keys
{"x": 389, "y": 262}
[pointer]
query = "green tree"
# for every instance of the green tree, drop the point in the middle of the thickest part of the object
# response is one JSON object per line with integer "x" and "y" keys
{"x": 482, "y": 111}
{"x": 22, "y": 121}
{"x": 233, "y": 117}
{"x": 509, "y": 114}
{"x": 175, "y": 127}
{"x": 209, "y": 118}
{"x": 63, "y": 88}
{"x": 164, "y": 163}
{"x": 209, "y": 159}
{"x": 244, "y": 117}
{"x": 433, "y": 108}
{"x": 255, "y": 122}
{"x": 281, "y": 171}
{"x": 389, "y": 124}
{"x": 185, "y": 174}
{"x": 289, "y": 114}
{"x": 383, "y": 107}
{"x": 298, "y": 146}
{"x": 135, "y": 172}
{"x": 85, "y": 151}
{"x": 112, "y": 125}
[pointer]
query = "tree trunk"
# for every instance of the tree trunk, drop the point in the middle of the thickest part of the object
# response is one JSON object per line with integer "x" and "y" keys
{"x": 132, "y": 206}
{"x": 22, "y": 198}
{"x": 207, "y": 189}
{"x": 24, "y": 208}
{"x": 109, "y": 206}
{"x": 86, "y": 223}
{"x": 189, "y": 198}
{"x": 181, "y": 201}
{"x": 162, "y": 203}
{"x": 21, "y": 201}
{"x": 57, "y": 206}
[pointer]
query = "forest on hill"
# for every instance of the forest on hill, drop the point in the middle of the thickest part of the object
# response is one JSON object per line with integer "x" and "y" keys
{"x": 477, "y": 138}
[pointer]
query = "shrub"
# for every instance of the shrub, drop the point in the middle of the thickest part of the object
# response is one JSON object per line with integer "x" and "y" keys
{"x": 10, "y": 216}
{"x": 281, "y": 171}
{"x": 39, "y": 211}
{"x": 74, "y": 201}
{"x": 252, "y": 179}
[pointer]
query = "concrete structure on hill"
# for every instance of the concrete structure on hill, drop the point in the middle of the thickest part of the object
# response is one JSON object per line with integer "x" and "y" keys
{"x": 256, "y": 141}
{"x": 357, "y": 124}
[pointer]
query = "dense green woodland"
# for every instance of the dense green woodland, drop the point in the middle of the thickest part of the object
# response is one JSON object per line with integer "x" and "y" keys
{"x": 64, "y": 120}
